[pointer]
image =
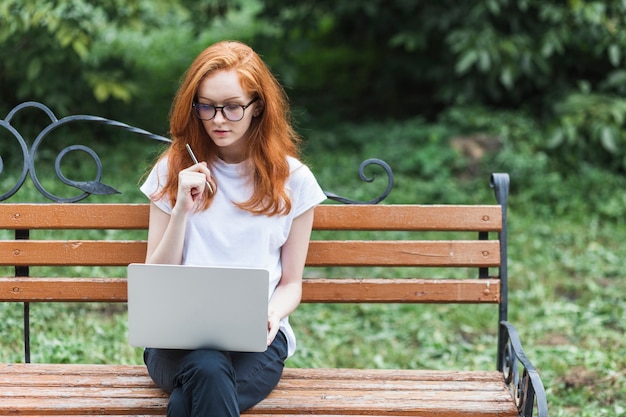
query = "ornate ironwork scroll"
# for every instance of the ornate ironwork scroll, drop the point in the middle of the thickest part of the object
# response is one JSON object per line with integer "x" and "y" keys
{"x": 364, "y": 164}
{"x": 95, "y": 186}
{"x": 521, "y": 376}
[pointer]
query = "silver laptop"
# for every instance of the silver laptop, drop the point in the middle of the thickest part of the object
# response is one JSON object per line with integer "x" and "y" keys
{"x": 194, "y": 307}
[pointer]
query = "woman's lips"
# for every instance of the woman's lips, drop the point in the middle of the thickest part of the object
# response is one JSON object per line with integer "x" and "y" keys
{"x": 220, "y": 133}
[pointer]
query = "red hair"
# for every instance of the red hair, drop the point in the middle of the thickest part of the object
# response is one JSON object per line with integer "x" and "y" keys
{"x": 271, "y": 137}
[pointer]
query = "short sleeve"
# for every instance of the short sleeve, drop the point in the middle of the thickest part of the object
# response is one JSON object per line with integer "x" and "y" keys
{"x": 154, "y": 183}
{"x": 305, "y": 190}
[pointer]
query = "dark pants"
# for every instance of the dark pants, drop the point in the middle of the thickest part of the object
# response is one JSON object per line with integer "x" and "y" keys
{"x": 211, "y": 383}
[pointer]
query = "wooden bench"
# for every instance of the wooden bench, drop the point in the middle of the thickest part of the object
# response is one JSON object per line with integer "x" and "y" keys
{"x": 419, "y": 237}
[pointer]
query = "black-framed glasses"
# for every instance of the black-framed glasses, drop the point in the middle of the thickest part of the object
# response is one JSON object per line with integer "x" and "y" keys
{"x": 232, "y": 112}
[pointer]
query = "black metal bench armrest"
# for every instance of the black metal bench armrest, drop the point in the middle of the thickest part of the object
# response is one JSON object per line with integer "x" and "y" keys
{"x": 526, "y": 386}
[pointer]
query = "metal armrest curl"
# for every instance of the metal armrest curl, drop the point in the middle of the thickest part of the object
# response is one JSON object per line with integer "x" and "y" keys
{"x": 521, "y": 376}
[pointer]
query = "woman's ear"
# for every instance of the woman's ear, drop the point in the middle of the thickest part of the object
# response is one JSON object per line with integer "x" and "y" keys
{"x": 258, "y": 109}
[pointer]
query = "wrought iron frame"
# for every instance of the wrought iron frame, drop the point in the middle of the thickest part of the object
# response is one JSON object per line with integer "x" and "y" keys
{"x": 521, "y": 376}
{"x": 526, "y": 388}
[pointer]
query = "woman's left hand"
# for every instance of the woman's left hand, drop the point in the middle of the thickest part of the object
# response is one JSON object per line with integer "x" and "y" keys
{"x": 273, "y": 324}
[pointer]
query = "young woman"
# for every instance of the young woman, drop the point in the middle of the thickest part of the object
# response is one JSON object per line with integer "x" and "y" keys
{"x": 248, "y": 202}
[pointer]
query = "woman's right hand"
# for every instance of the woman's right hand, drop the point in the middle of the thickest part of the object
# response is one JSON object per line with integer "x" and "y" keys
{"x": 191, "y": 186}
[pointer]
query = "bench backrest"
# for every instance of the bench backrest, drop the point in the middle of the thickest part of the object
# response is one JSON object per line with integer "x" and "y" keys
{"x": 401, "y": 239}
{"x": 390, "y": 240}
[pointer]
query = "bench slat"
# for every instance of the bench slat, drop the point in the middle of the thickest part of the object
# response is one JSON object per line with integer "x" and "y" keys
{"x": 74, "y": 405}
{"x": 349, "y": 388}
{"x": 74, "y": 216}
{"x": 327, "y": 217}
{"x": 457, "y": 253}
{"x": 108, "y": 371}
{"x": 401, "y": 290}
{"x": 321, "y": 253}
{"x": 52, "y": 382}
{"x": 314, "y": 290}
{"x": 71, "y": 252}
{"x": 409, "y": 217}
{"x": 368, "y": 403}
{"x": 282, "y": 399}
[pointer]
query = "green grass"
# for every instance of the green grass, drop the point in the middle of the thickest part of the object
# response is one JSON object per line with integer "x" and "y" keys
{"x": 567, "y": 286}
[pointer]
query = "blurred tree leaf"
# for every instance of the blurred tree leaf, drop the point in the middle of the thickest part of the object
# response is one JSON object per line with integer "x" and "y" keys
{"x": 420, "y": 57}
{"x": 83, "y": 47}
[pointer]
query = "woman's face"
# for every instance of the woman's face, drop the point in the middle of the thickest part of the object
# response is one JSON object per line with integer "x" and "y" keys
{"x": 222, "y": 88}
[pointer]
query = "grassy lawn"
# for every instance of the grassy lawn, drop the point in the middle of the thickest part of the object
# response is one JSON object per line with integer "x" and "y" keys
{"x": 567, "y": 292}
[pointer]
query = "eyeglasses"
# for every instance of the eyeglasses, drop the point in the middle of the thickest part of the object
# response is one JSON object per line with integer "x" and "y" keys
{"x": 232, "y": 112}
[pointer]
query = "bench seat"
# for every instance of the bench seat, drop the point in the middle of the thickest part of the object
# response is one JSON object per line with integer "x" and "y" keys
{"x": 62, "y": 389}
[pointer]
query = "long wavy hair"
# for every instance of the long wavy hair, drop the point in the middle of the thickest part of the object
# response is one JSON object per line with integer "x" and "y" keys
{"x": 270, "y": 137}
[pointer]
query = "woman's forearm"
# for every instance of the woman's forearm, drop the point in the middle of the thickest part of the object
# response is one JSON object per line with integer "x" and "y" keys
{"x": 166, "y": 237}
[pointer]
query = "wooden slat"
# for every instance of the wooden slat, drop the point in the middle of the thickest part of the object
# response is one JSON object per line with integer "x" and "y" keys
{"x": 14, "y": 370}
{"x": 316, "y": 290}
{"x": 74, "y": 216}
{"x": 334, "y": 217}
{"x": 63, "y": 289}
{"x": 380, "y": 403}
{"x": 143, "y": 383}
{"x": 81, "y": 391}
{"x": 72, "y": 252}
{"x": 76, "y": 405}
{"x": 370, "y": 403}
{"x": 409, "y": 217}
{"x": 455, "y": 253}
{"x": 457, "y": 391}
{"x": 401, "y": 291}
{"x": 127, "y": 390}
{"x": 52, "y": 381}
{"x": 352, "y": 399}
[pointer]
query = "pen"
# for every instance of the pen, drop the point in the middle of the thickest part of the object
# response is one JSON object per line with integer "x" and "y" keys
{"x": 195, "y": 161}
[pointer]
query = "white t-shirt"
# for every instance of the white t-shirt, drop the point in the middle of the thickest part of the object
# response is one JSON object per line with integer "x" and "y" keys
{"x": 225, "y": 235}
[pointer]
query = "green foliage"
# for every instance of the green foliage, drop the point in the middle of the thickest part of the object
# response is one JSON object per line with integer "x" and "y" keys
{"x": 53, "y": 41}
{"x": 425, "y": 166}
{"x": 576, "y": 283}
{"x": 544, "y": 176}
{"x": 502, "y": 52}
{"x": 83, "y": 57}
{"x": 590, "y": 128}
{"x": 560, "y": 63}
